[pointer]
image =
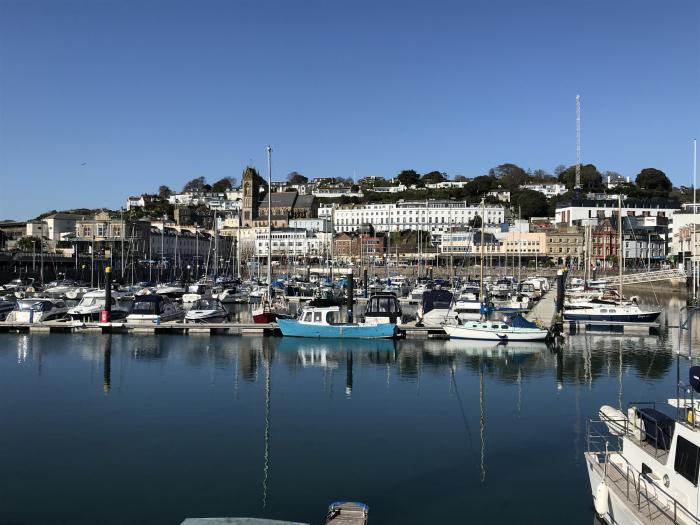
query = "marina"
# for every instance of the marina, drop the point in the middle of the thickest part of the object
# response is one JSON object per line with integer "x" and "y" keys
{"x": 250, "y": 407}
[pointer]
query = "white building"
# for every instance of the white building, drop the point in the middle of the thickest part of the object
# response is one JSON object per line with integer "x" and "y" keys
{"x": 425, "y": 215}
{"x": 292, "y": 242}
{"x": 54, "y": 227}
{"x": 447, "y": 184}
{"x": 592, "y": 211}
{"x": 319, "y": 224}
{"x": 389, "y": 189}
{"x": 333, "y": 193}
{"x": 501, "y": 195}
{"x": 553, "y": 189}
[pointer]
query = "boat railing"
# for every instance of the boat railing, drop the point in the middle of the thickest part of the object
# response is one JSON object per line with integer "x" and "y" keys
{"x": 599, "y": 441}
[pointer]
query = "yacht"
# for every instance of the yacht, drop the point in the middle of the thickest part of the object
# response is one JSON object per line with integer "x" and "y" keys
{"x": 194, "y": 293}
{"x": 93, "y": 303}
{"x": 643, "y": 464}
{"x": 419, "y": 289}
{"x": 173, "y": 290}
{"x": 434, "y": 308}
{"x": 154, "y": 309}
{"x": 37, "y": 309}
{"x": 232, "y": 296}
{"x": 208, "y": 310}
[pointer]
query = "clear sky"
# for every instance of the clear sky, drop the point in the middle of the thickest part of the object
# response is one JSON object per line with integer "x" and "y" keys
{"x": 101, "y": 99}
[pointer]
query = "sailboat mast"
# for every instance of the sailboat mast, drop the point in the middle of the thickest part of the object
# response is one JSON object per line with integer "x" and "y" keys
{"x": 481, "y": 259}
{"x": 619, "y": 244}
{"x": 269, "y": 223}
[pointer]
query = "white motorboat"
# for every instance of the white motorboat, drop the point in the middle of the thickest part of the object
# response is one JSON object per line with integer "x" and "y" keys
{"x": 517, "y": 330}
{"x": 172, "y": 290}
{"x": 195, "y": 292}
{"x": 419, "y": 289}
{"x": 232, "y": 296}
{"x": 37, "y": 309}
{"x": 154, "y": 309}
{"x": 93, "y": 303}
{"x": 208, "y": 310}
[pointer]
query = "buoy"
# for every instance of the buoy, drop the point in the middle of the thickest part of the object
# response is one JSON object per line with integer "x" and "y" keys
{"x": 601, "y": 499}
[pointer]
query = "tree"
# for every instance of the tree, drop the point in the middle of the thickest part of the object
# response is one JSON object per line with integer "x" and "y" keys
{"x": 591, "y": 179}
{"x": 194, "y": 185}
{"x": 296, "y": 178}
{"x": 540, "y": 174}
{"x": 461, "y": 178}
{"x": 531, "y": 203}
{"x": 408, "y": 177}
{"x": 559, "y": 169}
{"x": 475, "y": 222}
{"x": 433, "y": 177}
{"x": 510, "y": 175}
{"x": 223, "y": 185}
{"x": 28, "y": 243}
{"x": 655, "y": 181}
{"x": 480, "y": 185}
{"x": 164, "y": 192}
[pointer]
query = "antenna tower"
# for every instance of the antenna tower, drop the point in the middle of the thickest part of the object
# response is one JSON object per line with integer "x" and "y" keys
{"x": 578, "y": 142}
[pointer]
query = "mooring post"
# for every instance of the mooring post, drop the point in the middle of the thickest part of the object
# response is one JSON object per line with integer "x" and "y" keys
{"x": 366, "y": 283}
{"x": 351, "y": 295}
{"x": 108, "y": 295}
{"x": 561, "y": 283}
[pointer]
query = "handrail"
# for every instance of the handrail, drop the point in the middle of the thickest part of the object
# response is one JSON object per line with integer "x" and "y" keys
{"x": 637, "y": 486}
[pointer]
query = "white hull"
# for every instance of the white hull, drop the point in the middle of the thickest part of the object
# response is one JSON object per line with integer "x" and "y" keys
{"x": 489, "y": 334}
{"x": 436, "y": 317}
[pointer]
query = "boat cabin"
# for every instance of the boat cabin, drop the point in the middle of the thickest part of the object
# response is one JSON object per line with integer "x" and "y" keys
{"x": 383, "y": 308}
{"x": 325, "y": 315}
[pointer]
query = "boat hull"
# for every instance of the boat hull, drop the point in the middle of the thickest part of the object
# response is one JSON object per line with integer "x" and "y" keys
{"x": 293, "y": 328}
{"x": 461, "y": 332}
{"x": 581, "y": 315}
{"x": 269, "y": 317}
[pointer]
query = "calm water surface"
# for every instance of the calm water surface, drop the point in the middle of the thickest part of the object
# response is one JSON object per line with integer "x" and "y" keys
{"x": 155, "y": 429}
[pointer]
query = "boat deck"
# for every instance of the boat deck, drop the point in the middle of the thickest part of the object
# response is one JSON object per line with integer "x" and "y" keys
{"x": 646, "y": 507}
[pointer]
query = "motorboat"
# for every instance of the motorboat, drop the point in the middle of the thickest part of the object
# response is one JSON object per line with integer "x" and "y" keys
{"x": 194, "y": 293}
{"x": 434, "y": 308}
{"x": 419, "y": 289}
{"x": 65, "y": 289}
{"x": 324, "y": 322}
{"x": 154, "y": 309}
{"x": 173, "y": 290}
{"x": 382, "y": 308}
{"x": 37, "y": 309}
{"x": 232, "y": 296}
{"x": 502, "y": 289}
{"x": 207, "y": 310}
{"x": 643, "y": 464}
{"x": 621, "y": 313}
{"x": 93, "y": 303}
{"x": 398, "y": 285}
{"x": 518, "y": 329}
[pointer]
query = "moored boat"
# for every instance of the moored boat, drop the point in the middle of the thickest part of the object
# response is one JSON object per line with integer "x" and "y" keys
{"x": 519, "y": 329}
{"x": 154, "y": 309}
{"x": 207, "y": 310}
{"x": 323, "y": 322}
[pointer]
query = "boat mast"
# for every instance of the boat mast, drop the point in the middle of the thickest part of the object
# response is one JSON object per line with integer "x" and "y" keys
{"x": 619, "y": 244}
{"x": 481, "y": 259}
{"x": 269, "y": 223}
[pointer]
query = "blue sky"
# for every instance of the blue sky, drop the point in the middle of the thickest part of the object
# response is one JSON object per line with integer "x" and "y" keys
{"x": 101, "y": 99}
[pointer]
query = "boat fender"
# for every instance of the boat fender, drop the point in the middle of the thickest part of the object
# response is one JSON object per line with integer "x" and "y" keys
{"x": 602, "y": 506}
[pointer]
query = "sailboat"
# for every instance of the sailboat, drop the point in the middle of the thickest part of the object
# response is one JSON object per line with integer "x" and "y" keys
{"x": 519, "y": 329}
{"x": 270, "y": 308}
{"x": 620, "y": 312}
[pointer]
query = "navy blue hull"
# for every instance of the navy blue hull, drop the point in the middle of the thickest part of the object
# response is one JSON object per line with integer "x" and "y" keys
{"x": 649, "y": 317}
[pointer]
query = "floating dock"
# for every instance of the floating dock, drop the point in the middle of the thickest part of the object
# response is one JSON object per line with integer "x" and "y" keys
{"x": 615, "y": 327}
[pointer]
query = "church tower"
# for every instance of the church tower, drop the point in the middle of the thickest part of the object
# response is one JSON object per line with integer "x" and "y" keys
{"x": 250, "y": 182}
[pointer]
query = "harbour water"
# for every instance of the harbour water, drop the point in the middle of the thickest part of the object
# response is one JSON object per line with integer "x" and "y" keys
{"x": 155, "y": 429}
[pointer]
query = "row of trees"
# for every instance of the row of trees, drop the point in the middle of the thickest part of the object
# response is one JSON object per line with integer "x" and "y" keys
{"x": 200, "y": 184}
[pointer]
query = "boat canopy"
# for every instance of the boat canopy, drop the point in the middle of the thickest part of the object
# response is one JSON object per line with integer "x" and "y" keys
{"x": 436, "y": 299}
{"x": 520, "y": 322}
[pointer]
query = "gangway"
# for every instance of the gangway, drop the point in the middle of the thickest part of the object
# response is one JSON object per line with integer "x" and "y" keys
{"x": 647, "y": 277}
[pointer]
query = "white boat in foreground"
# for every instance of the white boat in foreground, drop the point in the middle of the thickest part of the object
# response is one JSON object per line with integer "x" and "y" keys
{"x": 518, "y": 330}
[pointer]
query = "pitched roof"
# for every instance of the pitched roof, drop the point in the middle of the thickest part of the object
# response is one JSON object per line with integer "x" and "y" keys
{"x": 305, "y": 201}
{"x": 280, "y": 199}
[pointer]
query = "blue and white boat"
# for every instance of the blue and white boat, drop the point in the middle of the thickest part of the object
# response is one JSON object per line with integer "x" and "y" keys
{"x": 323, "y": 322}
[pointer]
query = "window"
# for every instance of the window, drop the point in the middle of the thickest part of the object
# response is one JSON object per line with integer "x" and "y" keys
{"x": 687, "y": 460}
{"x": 317, "y": 317}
